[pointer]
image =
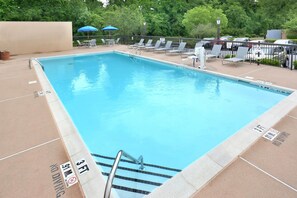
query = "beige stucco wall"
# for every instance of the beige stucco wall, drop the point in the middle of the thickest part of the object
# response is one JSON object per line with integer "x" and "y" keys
{"x": 35, "y": 37}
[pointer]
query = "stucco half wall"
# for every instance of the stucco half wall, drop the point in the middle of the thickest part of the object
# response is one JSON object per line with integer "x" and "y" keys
{"x": 35, "y": 37}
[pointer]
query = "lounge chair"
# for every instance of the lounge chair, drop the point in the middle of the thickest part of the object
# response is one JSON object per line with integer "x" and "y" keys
{"x": 103, "y": 41}
{"x": 140, "y": 43}
{"x": 148, "y": 44}
{"x": 180, "y": 49}
{"x": 240, "y": 56}
{"x": 215, "y": 52}
{"x": 167, "y": 47}
{"x": 117, "y": 41}
{"x": 192, "y": 51}
{"x": 157, "y": 45}
{"x": 79, "y": 44}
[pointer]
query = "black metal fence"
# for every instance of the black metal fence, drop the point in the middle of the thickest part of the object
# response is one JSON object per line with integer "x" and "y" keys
{"x": 280, "y": 55}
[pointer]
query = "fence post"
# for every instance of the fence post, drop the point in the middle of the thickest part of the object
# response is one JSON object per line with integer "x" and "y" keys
{"x": 291, "y": 64}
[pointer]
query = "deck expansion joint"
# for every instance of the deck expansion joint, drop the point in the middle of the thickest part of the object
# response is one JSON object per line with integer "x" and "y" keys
{"x": 15, "y": 98}
{"x": 292, "y": 117}
{"x": 29, "y": 149}
{"x": 268, "y": 174}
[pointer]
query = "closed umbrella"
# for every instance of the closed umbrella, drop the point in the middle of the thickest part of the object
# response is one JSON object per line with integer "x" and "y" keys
{"x": 87, "y": 29}
{"x": 109, "y": 28}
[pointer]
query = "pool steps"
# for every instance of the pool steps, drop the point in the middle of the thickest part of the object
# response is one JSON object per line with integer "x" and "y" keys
{"x": 130, "y": 181}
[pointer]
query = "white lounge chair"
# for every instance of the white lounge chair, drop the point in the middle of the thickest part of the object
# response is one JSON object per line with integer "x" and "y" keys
{"x": 167, "y": 47}
{"x": 157, "y": 45}
{"x": 103, "y": 41}
{"x": 192, "y": 51}
{"x": 215, "y": 52}
{"x": 117, "y": 41}
{"x": 79, "y": 44}
{"x": 148, "y": 44}
{"x": 180, "y": 49}
{"x": 240, "y": 56}
{"x": 140, "y": 43}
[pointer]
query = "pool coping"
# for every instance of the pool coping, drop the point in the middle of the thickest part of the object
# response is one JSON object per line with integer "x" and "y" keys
{"x": 193, "y": 177}
{"x": 92, "y": 182}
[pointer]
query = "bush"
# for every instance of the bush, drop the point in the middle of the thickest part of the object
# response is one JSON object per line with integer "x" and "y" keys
{"x": 291, "y": 34}
{"x": 267, "y": 61}
{"x": 270, "y": 40}
{"x": 295, "y": 64}
{"x": 229, "y": 56}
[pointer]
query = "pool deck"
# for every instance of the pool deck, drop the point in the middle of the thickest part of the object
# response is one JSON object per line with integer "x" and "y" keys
{"x": 31, "y": 148}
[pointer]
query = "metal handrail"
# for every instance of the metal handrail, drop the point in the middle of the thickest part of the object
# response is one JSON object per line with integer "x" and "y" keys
{"x": 114, "y": 169}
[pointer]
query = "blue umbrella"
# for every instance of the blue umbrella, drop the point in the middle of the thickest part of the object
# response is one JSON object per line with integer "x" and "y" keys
{"x": 109, "y": 28}
{"x": 87, "y": 29}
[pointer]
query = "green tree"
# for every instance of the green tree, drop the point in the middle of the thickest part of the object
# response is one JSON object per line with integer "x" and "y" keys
{"x": 204, "y": 30}
{"x": 276, "y": 12}
{"x": 203, "y": 15}
{"x": 8, "y": 10}
{"x": 128, "y": 20}
{"x": 156, "y": 23}
{"x": 237, "y": 21}
{"x": 89, "y": 18}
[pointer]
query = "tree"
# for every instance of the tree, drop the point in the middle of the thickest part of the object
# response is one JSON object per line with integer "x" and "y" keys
{"x": 237, "y": 20}
{"x": 157, "y": 25}
{"x": 8, "y": 10}
{"x": 128, "y": 20}
{"x": 203, "y": 15}
{"x": 276, "y": 12}
{"x": 88, "y": 18}
{"x": 203, "y": 30}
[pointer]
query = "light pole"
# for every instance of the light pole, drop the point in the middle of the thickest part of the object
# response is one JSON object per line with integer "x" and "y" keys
{"x": 144, "y": 28}
{"x": 219, "y": 28}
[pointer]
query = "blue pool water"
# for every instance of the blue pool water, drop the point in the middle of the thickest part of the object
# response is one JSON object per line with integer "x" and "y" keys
{"x": 170, "y": 115}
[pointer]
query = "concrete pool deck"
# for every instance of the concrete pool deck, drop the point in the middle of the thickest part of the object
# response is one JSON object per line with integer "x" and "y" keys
{"x": 31, "y": 146}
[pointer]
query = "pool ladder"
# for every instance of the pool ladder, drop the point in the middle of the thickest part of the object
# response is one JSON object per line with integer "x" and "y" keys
{"x": 114, "y": 169}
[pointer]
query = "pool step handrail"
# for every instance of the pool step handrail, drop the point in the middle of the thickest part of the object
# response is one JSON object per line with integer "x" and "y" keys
{"x": 114, "y": 169}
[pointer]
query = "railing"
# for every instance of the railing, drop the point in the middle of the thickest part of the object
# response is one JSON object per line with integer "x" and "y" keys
{"x": 114, "y": 169}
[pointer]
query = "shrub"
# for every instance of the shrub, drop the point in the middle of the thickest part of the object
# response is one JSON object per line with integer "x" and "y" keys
{"x": 270, "y": 40}
{"x": 295, "y": 64}
{"x": 267, "y": 61}
{"x": 229, "y": 56}
{"x": 292, "y": 35}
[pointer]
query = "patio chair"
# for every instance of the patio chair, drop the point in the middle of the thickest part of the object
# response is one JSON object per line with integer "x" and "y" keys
{"x": 167, "y": 47}
{"x": 215, "y": 52}
{"x": 192, "y": 51}
{"x": 157, "y": 45}
{"x": 80, "y": 44}
{"x": 180, "y": 49}
{"x": 103, "y": 42}
{"x": 117, "y": 41}
{"x": 240, "y": 56}
{"x": 93, "y": 43}
{"x": 148, "y": 44}
{"x": 140, "y": 43}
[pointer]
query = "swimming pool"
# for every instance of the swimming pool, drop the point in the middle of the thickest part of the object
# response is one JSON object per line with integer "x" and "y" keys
{"x": 168, "y": 114}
